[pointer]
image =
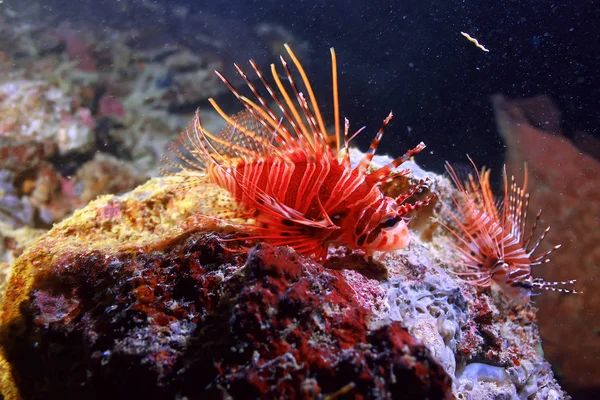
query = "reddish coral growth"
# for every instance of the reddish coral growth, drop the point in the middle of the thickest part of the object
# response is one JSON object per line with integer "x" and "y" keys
{"x": 565, "y": 182}
{"x": 480, "y": 343}
{"x": 109, "y": 106}
{"x": 112, "y": 210}
{"x": 192, "y": 322}
{"x": 76, "y": 48}
{"x": 20, "y": 155}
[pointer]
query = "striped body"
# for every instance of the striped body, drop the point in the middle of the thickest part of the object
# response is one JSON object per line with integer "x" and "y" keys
{"x": 283, "y": 167}
{"x": 315, "y": 189}
{"x": 491, "y": 237}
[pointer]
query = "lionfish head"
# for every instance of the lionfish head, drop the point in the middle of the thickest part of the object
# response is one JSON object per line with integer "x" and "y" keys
{"x": 516, "y": 284}
{"x": 520, "y": 286}
{"x": 388, "y": 232}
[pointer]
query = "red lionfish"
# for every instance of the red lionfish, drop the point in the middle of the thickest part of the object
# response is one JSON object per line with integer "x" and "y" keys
{"x": 291, "y": 176}
{"x": 492, "y": 240}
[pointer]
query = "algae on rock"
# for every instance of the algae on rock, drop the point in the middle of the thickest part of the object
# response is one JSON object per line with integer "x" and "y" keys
{"x": 141, "y": 290}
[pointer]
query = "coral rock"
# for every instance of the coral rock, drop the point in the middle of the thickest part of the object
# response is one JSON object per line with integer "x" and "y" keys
{"x": 146, "y": 295}
{"x": 40, "y": 111}
{"x": 193, "y": 319}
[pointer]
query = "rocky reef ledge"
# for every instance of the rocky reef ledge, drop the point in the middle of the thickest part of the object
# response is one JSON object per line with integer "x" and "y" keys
{"x": 141, "y": 295}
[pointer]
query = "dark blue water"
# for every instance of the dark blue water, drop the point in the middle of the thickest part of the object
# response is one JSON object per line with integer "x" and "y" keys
{"x": 409, "y": 57}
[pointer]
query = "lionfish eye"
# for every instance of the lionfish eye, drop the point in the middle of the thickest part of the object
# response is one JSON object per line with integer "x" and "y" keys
{"x": 390, "y": 222}
{"x": 526, "y": 284}
{"x": 500, "y": 265}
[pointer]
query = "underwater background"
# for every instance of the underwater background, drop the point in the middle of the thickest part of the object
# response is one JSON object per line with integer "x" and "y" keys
{"x": 118, "y": 81}
{"x": 409, "y": 57}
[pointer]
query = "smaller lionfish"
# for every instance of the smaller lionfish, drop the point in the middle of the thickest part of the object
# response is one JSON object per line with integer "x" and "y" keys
{"x": 294, "y": 179}
{"x": 491, "y": 236}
